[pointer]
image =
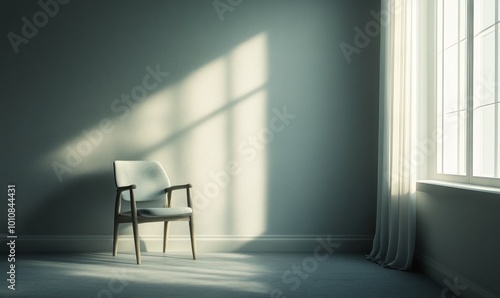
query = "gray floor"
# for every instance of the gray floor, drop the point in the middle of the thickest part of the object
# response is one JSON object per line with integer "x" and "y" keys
{"x": 212, "y": 275}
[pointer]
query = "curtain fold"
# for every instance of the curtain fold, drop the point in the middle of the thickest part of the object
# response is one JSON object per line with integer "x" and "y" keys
{"x": 394, "y": 242}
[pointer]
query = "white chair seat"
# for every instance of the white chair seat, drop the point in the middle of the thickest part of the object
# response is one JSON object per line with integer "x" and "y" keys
{"x": 162, "y": 212}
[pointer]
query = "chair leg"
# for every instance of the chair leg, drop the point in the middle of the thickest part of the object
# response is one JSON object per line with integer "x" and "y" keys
{"x": 135, "y": 228}
{"x": 193, "y": 240}
{"x": 115, "y": 239}
{"x": 165, "y": 235}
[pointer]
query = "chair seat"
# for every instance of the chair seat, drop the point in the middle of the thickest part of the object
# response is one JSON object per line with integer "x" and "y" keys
{"x": 162, "y": 212}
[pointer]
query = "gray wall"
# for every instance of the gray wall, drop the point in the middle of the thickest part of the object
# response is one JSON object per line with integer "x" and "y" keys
{"x": 458, "y": 237}
{"x": 227, "y": 76}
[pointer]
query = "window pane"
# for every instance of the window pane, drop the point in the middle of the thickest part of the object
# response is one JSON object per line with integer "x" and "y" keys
{"x": 494, "y": 84}
{"x": 484, "y": 68}
{"x": 450, "y": 79}
{"x": 453, "y": 154}
{"x": 440, "y": 25}
{"x": 451, "y": 87}
{"x": 484, "y": 14}
{"x": 463, "y": 19}
{"x": 462, "y": 142}
{"x": 484, "y": 141}
{"x": 451, "y": 15}
{"x": 498, "y": 141}
{"x": 463, "y": 76}
{"x": 440, "y": 145}
{"x": 450, "y": 144}
{"x": 498, "y": 10}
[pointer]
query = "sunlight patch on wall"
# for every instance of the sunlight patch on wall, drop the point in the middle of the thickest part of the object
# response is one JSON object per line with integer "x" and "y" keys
{"x": 249, "y": 190}
{"x": 209, "y": 130}
{"x": 202, "y": 121}
{"x": 90, "y": 152}
{"x": 248, "y": 67}
{"x": 150, "y": 124}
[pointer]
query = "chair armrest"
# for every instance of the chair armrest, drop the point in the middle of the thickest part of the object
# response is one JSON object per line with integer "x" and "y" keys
{"x": 176, "y": 187}
{"x": 169, "y": 191}
{"x": 124, "y": 188}
{"x": 119, "y": 191}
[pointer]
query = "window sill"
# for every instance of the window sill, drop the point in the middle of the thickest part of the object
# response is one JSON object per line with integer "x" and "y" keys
{"x": 470, "y": 187}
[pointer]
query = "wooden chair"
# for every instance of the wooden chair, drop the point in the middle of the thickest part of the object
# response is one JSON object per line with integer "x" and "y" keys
{"x": 143, "y": 181}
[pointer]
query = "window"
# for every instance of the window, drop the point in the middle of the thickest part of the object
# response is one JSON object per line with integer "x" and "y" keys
{"x": 467, "y": 110}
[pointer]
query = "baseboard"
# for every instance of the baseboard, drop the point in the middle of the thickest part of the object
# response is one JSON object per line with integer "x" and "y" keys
{"x": 273, "y": 243}
{"x": 447, "y": 277}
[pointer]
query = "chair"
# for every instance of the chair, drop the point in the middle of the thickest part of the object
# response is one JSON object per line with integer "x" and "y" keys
{"x": 143, "y": 181}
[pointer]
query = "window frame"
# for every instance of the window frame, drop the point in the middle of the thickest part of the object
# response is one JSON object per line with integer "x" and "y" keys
{"x": 430, "y": 133}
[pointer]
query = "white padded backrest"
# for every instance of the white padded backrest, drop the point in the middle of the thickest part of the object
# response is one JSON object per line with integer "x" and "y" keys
{"x": 149, "y": 177}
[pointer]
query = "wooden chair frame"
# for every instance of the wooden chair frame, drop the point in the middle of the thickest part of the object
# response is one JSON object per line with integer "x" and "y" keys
{"x": 136, "y": 219}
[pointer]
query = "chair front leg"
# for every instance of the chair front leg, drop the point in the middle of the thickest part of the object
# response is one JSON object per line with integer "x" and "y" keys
{"x": 135, "y": 228}
{"x": 115, "y": 238}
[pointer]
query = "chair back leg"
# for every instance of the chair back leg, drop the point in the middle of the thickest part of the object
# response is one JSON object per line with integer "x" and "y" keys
{"x": 165, "y": 236}
{"x": 193, "y": 240}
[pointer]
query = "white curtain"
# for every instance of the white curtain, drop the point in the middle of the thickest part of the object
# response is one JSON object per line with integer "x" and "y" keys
{"x": 394, "y": 241}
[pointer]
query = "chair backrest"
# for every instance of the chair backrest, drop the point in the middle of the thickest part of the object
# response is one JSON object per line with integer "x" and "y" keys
{"x": 149, "y": 177}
